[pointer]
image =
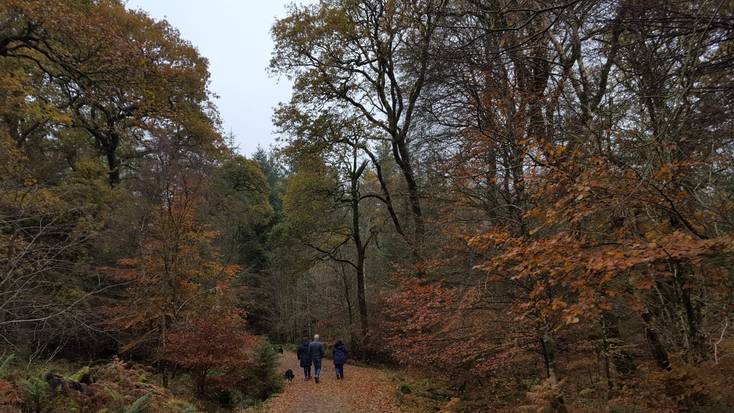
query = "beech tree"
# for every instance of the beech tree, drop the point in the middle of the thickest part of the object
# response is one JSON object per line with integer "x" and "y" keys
{"x": 531, "y": 200}
{"x": 213, "y": 341}
{"x": 588, "y": 178}
{"x": 368, "y": 59}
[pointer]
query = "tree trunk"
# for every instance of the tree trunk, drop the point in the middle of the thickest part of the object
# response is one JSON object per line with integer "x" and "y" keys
{"x": 415, "y": 207}
{"x": 110, "y": 144}
{"x": 549, "y": 355}
{"x": 607, "y": 369}
{"x": 360, "y": 247}
{"x": 359, "y": 244}
{"x": 691, "y": 314}
{"x": 361, "y": 297}
{"x": 656, "y": 346}
{"x": 621, "y": 359}
{"x": 114, "y": 166}
{"x": 162, "y": 365}
{"x": 200, "y": 379}
{"x": 402, "y": 159}
{"x": 348, "y": 299}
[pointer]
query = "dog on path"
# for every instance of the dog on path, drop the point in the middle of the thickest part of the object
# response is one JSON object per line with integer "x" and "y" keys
{"x": 289, "y": 375}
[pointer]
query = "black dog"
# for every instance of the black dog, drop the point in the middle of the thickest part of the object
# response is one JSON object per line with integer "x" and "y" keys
{"x": 57, "y": 382}
{"x": 289, "y": 375}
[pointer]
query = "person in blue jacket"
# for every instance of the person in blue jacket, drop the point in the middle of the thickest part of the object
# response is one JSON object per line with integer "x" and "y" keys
{"x": 316, "y": 351}
{"x": 339, "y": 354}
{"x": 304, "y": 357}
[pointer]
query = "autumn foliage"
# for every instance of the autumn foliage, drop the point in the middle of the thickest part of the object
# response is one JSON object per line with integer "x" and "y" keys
{"x": 176, "y": 273}
{"x": 122, "y": 208}
{"x": 606, "y": 250}
{"x": 212, "y": 343}
{"x": 532, "y": 200}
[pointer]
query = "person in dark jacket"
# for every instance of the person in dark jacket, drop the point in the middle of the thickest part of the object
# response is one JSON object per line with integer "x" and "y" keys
{"x": 304, "y": 357}
{"x": 339, "y": 354}
{"x": 316, "y": 351}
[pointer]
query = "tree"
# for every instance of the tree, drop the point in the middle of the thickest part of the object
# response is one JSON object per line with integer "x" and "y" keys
{"x": 113, "y": 73}
{"x": 340, "y": 143}
{"x": 570, "y": 134}
{"x": 238, "y": 204}
{"x": 46, "y": 231}
{"x": 368, "y": 60}
{"x": 213, "y": 341}
{"x": 175, "y": 272}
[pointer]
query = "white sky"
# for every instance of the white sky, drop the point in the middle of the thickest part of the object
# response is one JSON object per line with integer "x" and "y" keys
{"x": 235, "y": 36}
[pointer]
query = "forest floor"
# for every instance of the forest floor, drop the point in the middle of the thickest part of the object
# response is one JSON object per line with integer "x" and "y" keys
{"x": 364, "y": 389}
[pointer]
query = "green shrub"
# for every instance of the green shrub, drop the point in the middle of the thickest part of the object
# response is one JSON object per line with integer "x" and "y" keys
{"x": 180, "y": 406}
{"x": 266, "y": 358}
{"x": 263, "y": 379}
{"x": 230, "y": 398}
{"x": 35, "y": 393}
{"x": 140, "y": 405}
{"x": 286, "y": 346}
{"x": 714, "y": 406}
{"x": 5, "y": 365}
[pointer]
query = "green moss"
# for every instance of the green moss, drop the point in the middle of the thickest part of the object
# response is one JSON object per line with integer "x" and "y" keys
{"x": 180, "y": 406}
{"x": 71, "y": 406}
{"x": 587, "y": 392}
{"x": 80, "y": 374}
{"x": 113, "y": 394}
{"x": 140, "y": 405}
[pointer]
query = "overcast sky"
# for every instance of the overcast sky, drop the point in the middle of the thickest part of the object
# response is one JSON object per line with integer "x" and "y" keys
{"x": 235, "y": 36}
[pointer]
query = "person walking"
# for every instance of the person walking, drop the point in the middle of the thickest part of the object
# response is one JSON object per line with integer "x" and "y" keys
{"x": 304, "y": 358}
{"x": 316, "y": 351}
{"x": 339, "y": 354}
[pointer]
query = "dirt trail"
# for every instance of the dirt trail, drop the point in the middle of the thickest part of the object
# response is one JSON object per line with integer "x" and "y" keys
{"x": 363, "y": 390}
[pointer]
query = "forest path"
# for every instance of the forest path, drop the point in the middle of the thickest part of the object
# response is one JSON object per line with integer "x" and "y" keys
{"x": 364, "y": 390}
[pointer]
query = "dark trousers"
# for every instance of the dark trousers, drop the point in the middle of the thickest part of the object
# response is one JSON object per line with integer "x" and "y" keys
{"x": 317, "y": 367}
{"x": 339, "y": 370}
{"x": 307, "y": 372}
